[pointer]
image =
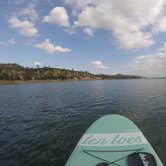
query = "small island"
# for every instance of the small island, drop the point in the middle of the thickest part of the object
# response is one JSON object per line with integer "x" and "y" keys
{"x": 14, "y": 73}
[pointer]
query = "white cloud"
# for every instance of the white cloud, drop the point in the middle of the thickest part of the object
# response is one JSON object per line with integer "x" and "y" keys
{"x": 132, "y": 23}
{"x": 25, "y": 27}
{"x": 48, "y": 47}
{"x": 88, "y": 31}
{"x": 160, "y": 25}
{"x": 29, "y": 13}
{"x": 163, "y": 49}
{"x": 78, "y": 5}
{"x": 11, "y": 41}
{"x": 134, "y": 40}
{"x": 58, "y": 16}
{"x": 98, "y": 65}
{"x": 70, "y": 30}
{"x": 19, "y": 1}
{"x": 37, "y": 63}
{"x": 152, "y": 64}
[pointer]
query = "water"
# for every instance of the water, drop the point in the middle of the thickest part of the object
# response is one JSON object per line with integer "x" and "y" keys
{"x": 40, "y": 124}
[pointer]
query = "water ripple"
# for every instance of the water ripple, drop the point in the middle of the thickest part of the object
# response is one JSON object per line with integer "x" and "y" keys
{"x": 37, "y": 120}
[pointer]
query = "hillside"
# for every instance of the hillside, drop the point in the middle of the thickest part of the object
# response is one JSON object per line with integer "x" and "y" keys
{"x": 17, "y": 72}
{"x": 118, "y": 76}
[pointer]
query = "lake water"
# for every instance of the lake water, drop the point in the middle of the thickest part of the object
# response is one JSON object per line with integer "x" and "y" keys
{"x": 41, "y": 123}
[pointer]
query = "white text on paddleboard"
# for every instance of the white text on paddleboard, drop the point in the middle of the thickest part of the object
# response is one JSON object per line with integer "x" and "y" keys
{"x": 115, "y": 139}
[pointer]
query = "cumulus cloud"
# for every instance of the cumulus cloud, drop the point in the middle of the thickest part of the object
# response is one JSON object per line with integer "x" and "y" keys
{"x": 98, "y": 65}
{"x": 25, "y": 27}
{"x": 11, "y": 41}
{"x": 24, "y": 21}
{"x": 58, "y": 16}
{"x": 49, "y": 47}
{"x": 151, "y": 64}
{"x": 132, "y": 23}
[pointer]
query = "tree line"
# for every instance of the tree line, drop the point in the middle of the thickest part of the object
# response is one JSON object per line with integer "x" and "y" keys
{"x": 17, "y": 72}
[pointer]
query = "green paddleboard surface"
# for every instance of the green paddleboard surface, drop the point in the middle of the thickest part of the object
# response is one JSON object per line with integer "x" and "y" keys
{"x": 111, "y": 138}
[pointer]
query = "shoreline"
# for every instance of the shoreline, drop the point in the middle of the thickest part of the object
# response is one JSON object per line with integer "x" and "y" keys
{"x": 10, "y": 82}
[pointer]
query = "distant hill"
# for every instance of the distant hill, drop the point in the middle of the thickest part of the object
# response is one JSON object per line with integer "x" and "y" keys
{"x": 118, "y": 76}
{"x": 17, "y": 72}
{"x": 158, "y": 78}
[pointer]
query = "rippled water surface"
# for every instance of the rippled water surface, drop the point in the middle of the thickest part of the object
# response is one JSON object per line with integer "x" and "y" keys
{"x": 40, "y": 124}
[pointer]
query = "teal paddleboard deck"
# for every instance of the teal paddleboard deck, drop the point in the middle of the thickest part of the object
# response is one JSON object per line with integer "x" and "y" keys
{"x": 110, "y": 139}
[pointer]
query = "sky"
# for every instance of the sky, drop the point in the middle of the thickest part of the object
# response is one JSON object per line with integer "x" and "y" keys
{"x": 99, "y": 36}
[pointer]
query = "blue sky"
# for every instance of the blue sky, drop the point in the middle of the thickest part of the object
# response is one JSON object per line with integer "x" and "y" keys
{"x": 101, "y": 36}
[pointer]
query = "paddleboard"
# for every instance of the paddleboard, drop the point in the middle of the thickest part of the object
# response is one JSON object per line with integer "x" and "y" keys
{"x": 111, "y": 140}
